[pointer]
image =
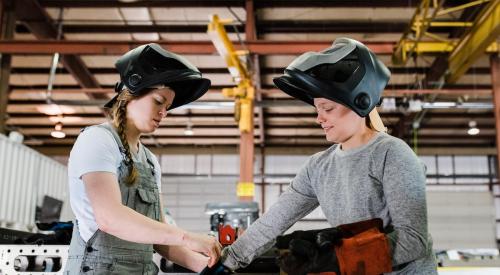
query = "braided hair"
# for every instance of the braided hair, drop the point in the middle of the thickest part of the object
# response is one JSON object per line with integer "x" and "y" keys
{"x": 119, "y": 118}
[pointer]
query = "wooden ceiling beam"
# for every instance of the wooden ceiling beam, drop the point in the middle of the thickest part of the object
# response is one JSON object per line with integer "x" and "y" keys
{"x": 268, "y": 70}
{"x": 298, "y": 134}
{"x": 265, "y": 26}
{"x": 471, "y": 87}
{"x": 40, "y": 24}
{"x": 232, "y": 3}
{"x": 387, "y": 92}
{"x": 77, "y": 47}
{"x": 299, "y": 116}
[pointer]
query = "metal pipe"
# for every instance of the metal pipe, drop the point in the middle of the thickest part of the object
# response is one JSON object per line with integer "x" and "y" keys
{"x": 55, "y": 62}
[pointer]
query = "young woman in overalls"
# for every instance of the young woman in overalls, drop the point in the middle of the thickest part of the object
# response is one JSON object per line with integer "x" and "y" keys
{"x": 115, "y": 181}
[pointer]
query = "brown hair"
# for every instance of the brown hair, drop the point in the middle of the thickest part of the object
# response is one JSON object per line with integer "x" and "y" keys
{"x": 119, "y": 118}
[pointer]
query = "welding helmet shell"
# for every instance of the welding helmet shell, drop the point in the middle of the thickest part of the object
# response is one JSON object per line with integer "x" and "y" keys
{"x": 150, "y": 65}
{"x": 347, "y": 73}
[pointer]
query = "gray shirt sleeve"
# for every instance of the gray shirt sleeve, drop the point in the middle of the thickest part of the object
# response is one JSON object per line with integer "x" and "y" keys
{"x": 404, "y": 188}
{"x": 296, "y": 202}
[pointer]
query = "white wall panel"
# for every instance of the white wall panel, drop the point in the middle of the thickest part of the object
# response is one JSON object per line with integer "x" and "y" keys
{"x": 177, "y": 164}
{"x": 445, "y": 167}
{"x": 471, "y": 165}
{"x": 284, "y": 164}
{"x": 25, "y": 177}
{"x": 186, "y": 197}
{"x": 430, "y": 164}
{"x": 461, "y": 219}
{"x": 272, "y": 193}
{"x": 203, "y": 164}
{"x": 496, "y": 193}
{"x": 226, "y": 164}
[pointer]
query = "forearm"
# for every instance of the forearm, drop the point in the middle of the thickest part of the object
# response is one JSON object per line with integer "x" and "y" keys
{"x": 257, "y": 239}
{"x": 407, "y": 245}
{"x": 127, "y": 224}
{"x": 118, "y": 220}
{"x": 183, "y": 257}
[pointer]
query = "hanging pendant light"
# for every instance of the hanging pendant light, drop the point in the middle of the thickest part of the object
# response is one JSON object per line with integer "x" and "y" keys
{"x": 58, "y": 133}
{"x": 473, "y": 130}
{"x": 189, "y": 129}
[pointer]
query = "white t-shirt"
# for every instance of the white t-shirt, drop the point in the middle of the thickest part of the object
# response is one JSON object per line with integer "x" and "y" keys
{"x": 95, "y": 150}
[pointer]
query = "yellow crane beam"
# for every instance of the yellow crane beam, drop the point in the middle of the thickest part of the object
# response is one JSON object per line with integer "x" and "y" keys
{"x": 225, "y": 48}
{"x": 425, "y": 17}
{"x": 243, "y": 94}
{"x": 420, "y": 22}
{"x": 485, "y": 31}
{"x": 441, "y": 46}
{"x": 461, "y": 7}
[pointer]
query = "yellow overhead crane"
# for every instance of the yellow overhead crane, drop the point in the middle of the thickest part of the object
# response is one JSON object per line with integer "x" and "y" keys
{"x": 481, "y": 37}
{"x": 243, "y": 95}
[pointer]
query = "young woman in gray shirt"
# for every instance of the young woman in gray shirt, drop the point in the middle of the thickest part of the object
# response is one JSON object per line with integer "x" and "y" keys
{"x": 370, "y": 185}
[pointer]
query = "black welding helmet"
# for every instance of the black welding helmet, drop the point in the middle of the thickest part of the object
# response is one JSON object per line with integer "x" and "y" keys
{"x": 150, "y": 65}
{"x": 347, "y": 72}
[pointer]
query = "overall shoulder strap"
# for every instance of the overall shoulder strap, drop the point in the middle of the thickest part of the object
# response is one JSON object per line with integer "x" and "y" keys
{"x": 149, "y": 158}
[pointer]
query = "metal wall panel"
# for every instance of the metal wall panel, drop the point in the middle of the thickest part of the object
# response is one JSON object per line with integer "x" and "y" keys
{"x": 25, "y": 177}
{"x": 186, "y": 198}
{"x": 461, "y": 219}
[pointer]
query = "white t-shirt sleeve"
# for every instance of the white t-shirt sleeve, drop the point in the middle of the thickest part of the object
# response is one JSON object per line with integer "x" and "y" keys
{"x": 95, "y": 150}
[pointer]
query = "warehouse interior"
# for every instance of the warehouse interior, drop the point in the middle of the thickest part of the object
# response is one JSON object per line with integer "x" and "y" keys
{"x": 242, "y": 143}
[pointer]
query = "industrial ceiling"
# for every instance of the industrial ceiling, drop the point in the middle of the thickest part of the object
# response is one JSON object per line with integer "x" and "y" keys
{"x": 91, "y": 35}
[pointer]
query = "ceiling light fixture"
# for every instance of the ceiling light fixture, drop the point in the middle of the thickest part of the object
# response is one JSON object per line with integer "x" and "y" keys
{"x": 58, "y": 133}
{"x": 473, "y": 130}
{"x": 189, "y": 129}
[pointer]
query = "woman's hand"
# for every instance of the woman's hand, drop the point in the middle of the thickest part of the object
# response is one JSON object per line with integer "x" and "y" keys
{"x": 204, "y": 244}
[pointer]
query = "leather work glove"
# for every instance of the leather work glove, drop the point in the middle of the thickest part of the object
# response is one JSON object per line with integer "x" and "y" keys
{"x": 282, "y": 242}
{"x": 327, "y": 238}
{"x": 310, "y": 251}
{"x": 217, "y": 269}
{"x": 306, "y": 257}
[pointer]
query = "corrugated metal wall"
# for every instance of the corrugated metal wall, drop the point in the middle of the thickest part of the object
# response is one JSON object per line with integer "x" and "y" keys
{"x": 25, "y": 177}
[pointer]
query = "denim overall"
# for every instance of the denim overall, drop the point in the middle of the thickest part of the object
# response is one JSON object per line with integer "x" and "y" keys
{"x": 107, "y": 254}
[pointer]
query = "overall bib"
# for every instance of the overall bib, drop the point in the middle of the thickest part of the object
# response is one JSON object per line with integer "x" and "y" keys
{"x": 107, "y": 254}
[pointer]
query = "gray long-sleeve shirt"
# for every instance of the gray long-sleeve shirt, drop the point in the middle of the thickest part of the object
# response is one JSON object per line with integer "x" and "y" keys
{"x": 381, "y": 179}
